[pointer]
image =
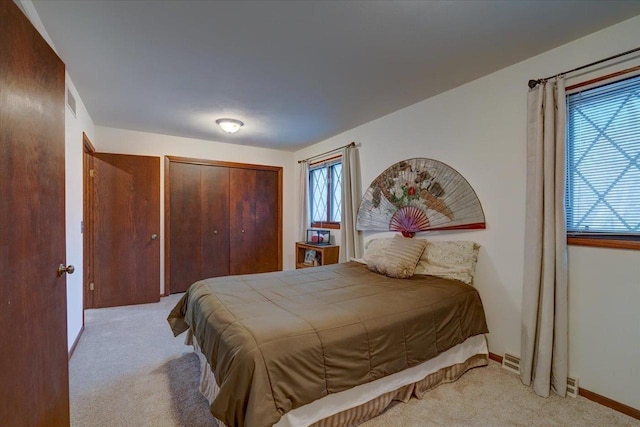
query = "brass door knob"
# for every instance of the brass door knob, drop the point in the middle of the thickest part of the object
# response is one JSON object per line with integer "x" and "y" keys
{"x": 68, "y": 269}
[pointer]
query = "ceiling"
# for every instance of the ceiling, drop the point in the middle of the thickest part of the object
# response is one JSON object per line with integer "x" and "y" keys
{"x": 295, "y": 72}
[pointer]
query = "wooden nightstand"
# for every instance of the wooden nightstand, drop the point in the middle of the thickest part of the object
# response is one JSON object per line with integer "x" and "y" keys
{"x": 322, "y": 255}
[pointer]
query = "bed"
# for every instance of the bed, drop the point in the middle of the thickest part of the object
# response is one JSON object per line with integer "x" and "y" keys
{"x": 330, "y": 345}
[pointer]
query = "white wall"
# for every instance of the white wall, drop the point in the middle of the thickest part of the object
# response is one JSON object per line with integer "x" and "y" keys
{"x": 480, "y": 130}
{"x": 74, "y": 127}
{"x": 111, "y": 140}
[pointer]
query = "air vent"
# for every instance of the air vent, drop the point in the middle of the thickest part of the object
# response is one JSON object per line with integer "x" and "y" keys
{"x": 572, "y": 387}
{"x": 71, "y": 102}
{"x": 511, "y": 363}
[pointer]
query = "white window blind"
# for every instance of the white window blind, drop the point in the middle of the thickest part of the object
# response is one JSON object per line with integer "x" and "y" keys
{"x": 603, "y": 159}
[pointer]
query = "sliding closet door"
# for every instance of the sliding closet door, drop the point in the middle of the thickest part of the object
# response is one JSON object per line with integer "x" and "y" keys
{"x": 242, "y": 190}
{"x": 214, "y": 192}
{"x": 185, "y": 254}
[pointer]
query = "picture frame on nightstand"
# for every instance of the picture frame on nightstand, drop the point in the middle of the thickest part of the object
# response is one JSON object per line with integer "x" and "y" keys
{"x": 310, "y": 257}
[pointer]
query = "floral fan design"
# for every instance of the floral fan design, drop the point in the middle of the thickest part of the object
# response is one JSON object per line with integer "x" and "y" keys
{"x": 419, "y": 195}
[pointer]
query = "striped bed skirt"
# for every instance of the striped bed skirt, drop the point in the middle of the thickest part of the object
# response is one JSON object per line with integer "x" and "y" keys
{"x": 364, "y": 402}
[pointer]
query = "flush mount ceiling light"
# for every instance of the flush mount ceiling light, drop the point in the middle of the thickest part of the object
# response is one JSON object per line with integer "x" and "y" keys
{"x": 230, "y": 125}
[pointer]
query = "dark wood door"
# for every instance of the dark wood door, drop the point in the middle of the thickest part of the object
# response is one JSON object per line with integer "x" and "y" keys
{"x": 199, "y": 216}
{"x": 215, "y": 220}
{"x": 34, "y": 385}
{"x": 185, "y": 211}
{"x": 87, "y": 221}
{"x": 266, "y": 221}
{"x": 242, "y": 230}
{"x": 126, "y": 225}
{"x": 221, "y": 218}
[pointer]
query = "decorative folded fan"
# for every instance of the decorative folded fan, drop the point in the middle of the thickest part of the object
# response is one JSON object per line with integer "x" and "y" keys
{"x": 419, "y": 195}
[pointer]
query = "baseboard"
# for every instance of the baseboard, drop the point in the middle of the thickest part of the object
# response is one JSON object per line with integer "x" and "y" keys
{"x": 594, "y": 397}
{"x": 610, "y": 403}
{"x": 75, "y": 342}
{"x": 495, "y": 357}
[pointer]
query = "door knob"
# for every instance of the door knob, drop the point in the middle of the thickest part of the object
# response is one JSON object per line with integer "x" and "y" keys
{"x": 68, "y": 269}
{"x": 154, "y": 236}
{"x": 215, "y": 231}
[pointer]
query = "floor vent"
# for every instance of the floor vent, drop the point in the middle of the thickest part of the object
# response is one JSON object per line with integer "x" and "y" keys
{"x": 572, "y": 387}
{"x": 71, "y": 102}
{"x": 511, "y": 363}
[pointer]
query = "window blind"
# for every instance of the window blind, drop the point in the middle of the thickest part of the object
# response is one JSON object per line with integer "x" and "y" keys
{"x": 603, "y": 159}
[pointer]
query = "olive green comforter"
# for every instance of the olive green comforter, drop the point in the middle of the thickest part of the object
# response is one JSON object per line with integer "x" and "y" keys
{"x": 277, "y": 341}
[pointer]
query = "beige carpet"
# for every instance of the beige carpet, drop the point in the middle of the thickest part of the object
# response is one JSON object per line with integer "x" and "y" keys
{"x": 129, "y": 370}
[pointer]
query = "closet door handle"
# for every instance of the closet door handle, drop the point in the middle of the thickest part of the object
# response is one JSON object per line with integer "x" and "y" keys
{"x": 242, "y": 230}
{"x": 215, "y": 231}
{"x": 154, "y": 236}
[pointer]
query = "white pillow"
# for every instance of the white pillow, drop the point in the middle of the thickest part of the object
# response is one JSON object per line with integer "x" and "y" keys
{"x": 450, "y": 260}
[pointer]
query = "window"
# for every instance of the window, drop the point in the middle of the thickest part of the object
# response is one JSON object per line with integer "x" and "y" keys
{"x": 325, "y": 193}
{"x": 603, "y": 162}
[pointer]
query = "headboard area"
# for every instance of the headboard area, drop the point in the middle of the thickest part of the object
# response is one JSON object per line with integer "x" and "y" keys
{"x": 419, "y": 194}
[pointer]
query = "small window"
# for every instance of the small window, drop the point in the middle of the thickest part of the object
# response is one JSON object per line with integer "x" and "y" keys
{"x": 325, "y": 193}
{"x": 603, "y": 162}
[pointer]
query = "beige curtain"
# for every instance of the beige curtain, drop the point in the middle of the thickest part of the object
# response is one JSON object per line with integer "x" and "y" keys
{"x": 303, "y": 185}
{"x": 350, "y": 245}
{"x": 544, "y": 345}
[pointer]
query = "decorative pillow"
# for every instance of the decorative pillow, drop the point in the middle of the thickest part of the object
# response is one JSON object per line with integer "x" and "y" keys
{"x": 400, "y": 258}
{"x": 376, "y": 247}
{"x": 450, "y": 260}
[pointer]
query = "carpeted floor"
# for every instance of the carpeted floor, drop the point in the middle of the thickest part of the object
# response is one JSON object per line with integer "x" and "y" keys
{"x": 129, "y": 370}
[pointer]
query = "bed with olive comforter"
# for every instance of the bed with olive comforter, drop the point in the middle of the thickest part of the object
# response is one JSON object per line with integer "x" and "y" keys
{"x": 277, "y": 341}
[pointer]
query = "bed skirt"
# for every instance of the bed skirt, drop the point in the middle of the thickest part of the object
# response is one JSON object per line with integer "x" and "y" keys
{"x": 364, "y": 402}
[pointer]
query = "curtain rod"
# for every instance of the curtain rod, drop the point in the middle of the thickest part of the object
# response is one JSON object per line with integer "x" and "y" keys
{"x": 534, "y": 83}
{"x": 352, "y": 144}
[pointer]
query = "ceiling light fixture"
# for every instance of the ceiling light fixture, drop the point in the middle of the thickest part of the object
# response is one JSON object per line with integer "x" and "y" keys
{"x": 230, "y": 125}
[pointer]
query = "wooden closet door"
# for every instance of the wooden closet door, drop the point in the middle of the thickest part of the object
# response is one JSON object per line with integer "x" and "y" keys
{"x": 230, "y": 222}
{"x": 266, "y": 221}
{"x": 242, "y": 201}
{"x": 214, "y": 191}
{"x": 185, "y": 209}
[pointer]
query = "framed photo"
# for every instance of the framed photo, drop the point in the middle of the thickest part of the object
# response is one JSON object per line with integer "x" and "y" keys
{"x": 310, "y": 257}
